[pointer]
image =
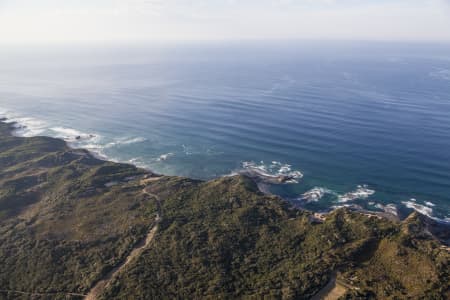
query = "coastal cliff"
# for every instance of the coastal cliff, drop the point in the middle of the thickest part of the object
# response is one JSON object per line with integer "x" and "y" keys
{"x": 74, "y": 226}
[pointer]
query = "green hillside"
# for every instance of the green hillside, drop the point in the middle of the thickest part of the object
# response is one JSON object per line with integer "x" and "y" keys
{"x": 73, "y": 226}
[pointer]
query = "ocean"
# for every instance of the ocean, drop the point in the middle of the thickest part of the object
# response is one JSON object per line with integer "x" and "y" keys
{"x": 331, "y": 116}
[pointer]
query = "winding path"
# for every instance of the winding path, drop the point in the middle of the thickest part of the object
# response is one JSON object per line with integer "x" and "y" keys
{"x": 102, "y": 284}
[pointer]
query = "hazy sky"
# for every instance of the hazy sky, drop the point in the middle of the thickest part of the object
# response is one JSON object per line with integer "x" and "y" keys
{"x": 25, "y": 21}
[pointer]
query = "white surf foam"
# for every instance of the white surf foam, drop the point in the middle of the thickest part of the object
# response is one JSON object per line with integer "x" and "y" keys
{"x": 72, "y": 135}
{"x": 389, "y": 208}
{"x": 126, "y": 141}
{"x": 28, "y": 127}
{"x": 187, "y": 150}
{"x": 315, "y": 194}
{"x": 24, "y": 126}
{"x": 429, "y": 204}
{"x": 361, "y": 192}
{"x": 97, "y": 150}
{"x": 138, "y": 162}
{"x": 95, "y": 143}
{"x": 424, "y": 210}
{"x": 164, "y": 157}
{"x": 354, "y": 206}
{"x": 274, "y": 170}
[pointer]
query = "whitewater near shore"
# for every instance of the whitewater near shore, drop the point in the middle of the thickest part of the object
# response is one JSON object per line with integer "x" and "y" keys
{"x": 371, "y": 116}
{"x": 70, "y": 222}
{"x": 267, "y": 175}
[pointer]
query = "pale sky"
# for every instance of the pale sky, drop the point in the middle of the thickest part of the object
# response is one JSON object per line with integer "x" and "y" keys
{"x": 42, "y": 21}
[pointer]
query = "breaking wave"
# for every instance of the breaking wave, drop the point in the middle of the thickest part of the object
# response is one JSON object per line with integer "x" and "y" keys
{"x": 95, "y": 143}
{"x": 126, "y": 141}
{"x": 275, "y": 172}
{"x": 362, "y": 192}
{"x": 424, "y": 210}
{"x": 164, "y": 157}
{"x": 73, "y": 136}
{"x": 353, "y": 206}
{"x": 25, "y": 126}
{"x": 315, "y": 194}
{"x": 138, "y": 162}
{"x": 388, "y": 208}
{"x": 430, "y": 204}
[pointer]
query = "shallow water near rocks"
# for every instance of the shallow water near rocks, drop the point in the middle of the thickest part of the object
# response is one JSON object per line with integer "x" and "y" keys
{"x": 341, "y": 115}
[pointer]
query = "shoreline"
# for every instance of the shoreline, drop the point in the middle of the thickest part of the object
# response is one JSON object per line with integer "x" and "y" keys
{"x": 262, "y": 181}
{"x": 105, "y": 221}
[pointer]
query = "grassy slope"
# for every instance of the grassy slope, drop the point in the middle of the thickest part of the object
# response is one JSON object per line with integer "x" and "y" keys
{"x": 225, "y": 240}
{"x": 61, "y": 229}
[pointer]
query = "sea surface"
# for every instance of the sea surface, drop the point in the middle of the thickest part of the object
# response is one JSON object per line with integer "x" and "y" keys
{"x": 341, "y": 114}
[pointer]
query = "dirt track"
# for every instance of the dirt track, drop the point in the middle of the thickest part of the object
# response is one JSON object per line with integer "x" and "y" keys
{"x": 101, "y": 285}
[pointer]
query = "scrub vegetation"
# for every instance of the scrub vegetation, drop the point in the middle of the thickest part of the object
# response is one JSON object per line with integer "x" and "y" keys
{"x": 68, "y": 219}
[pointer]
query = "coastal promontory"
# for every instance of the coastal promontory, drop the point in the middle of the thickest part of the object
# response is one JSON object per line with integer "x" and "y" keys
{"x": 73, "y": 226}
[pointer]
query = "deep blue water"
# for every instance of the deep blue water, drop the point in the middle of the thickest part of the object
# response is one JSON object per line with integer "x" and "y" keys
{"x": 343, "y": 114}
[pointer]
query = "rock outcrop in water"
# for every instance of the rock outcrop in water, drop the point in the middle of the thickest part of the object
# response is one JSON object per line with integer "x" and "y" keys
{"x": 265, "y": 178}
{"x": 66, "y": 233}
